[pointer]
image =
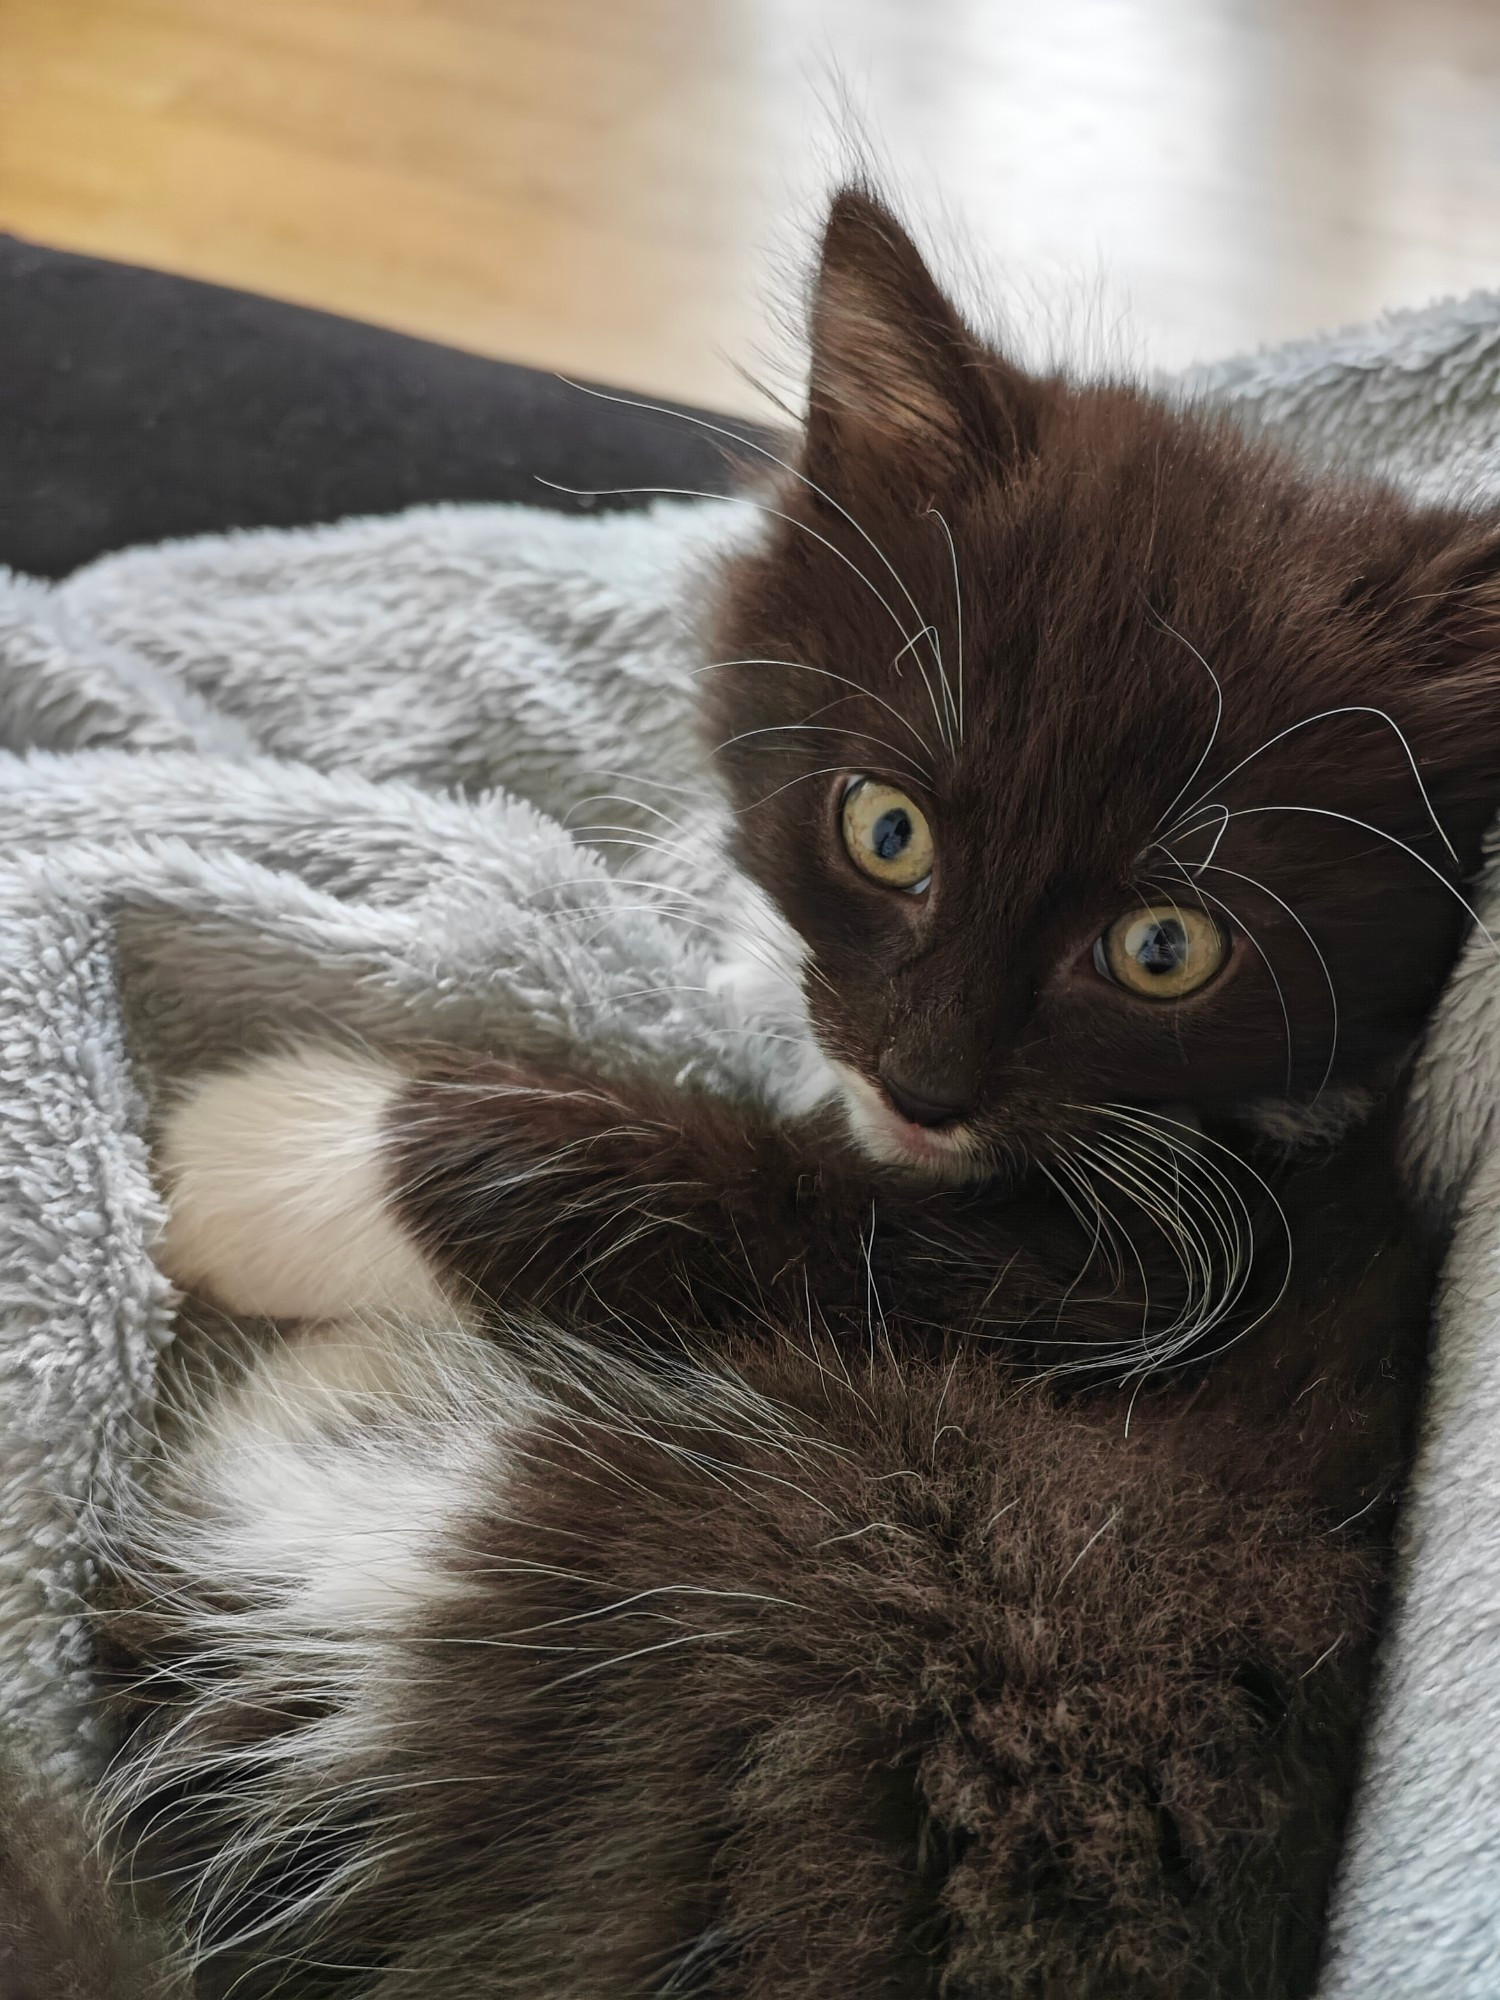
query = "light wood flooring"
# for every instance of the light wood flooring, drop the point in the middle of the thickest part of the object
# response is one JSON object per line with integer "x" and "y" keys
{"x": 620, "y": 188}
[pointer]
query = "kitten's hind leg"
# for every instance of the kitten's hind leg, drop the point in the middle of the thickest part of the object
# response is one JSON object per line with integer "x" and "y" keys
{"x": 275, "y": 1174}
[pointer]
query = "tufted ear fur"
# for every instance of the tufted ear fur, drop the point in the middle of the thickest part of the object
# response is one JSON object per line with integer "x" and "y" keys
{"x": 1440, "y": 604}
{"x": 1463, "y": 584}
{"x": 897, "y": 378}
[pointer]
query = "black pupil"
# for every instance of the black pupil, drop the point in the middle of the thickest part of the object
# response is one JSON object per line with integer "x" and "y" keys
{"x": 891, "y": 833}
{"x": 1164, "y": 947}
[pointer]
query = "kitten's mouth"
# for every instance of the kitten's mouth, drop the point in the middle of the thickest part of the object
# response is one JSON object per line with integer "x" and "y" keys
{"x": 943, "y": 1152}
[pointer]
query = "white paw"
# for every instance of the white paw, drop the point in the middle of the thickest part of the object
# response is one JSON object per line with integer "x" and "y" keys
{"x": 274, "y": 1178}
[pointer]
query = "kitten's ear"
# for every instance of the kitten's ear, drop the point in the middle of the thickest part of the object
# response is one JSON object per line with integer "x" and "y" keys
{"x": 896, "y": 375}
{"x": 1465, "y": 582}
{"x": 1444, "y": 613}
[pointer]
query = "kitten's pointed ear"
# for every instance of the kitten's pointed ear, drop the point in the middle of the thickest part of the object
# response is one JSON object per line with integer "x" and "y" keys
{"x": 1441, "y": 611}
{"x": 896, "y": 375}
{"x": 1464, "y": 582}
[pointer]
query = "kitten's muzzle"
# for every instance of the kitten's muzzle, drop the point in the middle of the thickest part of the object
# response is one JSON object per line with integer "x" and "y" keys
{"x": 937, "y": 1100}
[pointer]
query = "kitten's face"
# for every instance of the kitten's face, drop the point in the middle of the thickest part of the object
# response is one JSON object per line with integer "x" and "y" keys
{"x": 1019, "y": 733}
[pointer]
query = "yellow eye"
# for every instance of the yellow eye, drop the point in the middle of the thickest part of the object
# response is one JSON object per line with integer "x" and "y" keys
{"x": 887, "y": 835}
{"x": 1161, "y": 951}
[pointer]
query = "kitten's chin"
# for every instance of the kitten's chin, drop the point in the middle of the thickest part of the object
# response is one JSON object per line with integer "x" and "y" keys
{"x": 941, "y": 1153}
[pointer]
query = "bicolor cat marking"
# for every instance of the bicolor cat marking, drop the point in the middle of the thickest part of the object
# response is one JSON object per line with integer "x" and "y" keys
{"x": 274, "y": 1175}
{"x": 331, "y": 1478}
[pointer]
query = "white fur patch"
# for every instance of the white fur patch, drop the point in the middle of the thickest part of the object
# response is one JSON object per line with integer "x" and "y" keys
{"x": 331, "y": 1481}
{"x": 335, "y": 1519}
{"x": 308, "y": 1528}
{"x": 274, "y": 1174}
{"x": 883, "y": 1134}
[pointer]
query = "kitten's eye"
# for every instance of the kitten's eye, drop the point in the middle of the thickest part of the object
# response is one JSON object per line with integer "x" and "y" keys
{"x": 1162, "y": 951}
{"x": 887, "y": 835}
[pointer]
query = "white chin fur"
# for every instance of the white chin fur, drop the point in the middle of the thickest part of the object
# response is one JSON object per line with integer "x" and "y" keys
{"x": 275, "y": 1182}
{"x": 951, "y": 1154}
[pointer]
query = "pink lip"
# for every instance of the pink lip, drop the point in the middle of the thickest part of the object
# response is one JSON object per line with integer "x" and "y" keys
{"x": 920, "y": 1142}
{"x": 899, "y": 1140}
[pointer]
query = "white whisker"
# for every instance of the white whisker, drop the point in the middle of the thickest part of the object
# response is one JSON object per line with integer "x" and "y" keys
{"x": 1205, "y": 896}
{"x": 1162, "y": 1127}
{"x": 929, "y": 633}
{"x": 1213, "y": 734}
{"x": 1328, "y": 714}
{"x": 958, "y": 614}
{"x": 819, "y": 729}
{"x": 772, "y": 458}
{"x": 825, "y": 771}
{"x": 826, "y": 673}
{"x": 1333, "y": 998}
{"x": 1380, "y": 833}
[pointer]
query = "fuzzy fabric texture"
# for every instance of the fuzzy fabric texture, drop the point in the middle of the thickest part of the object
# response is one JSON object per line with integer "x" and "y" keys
{"x": 402, "y": 777}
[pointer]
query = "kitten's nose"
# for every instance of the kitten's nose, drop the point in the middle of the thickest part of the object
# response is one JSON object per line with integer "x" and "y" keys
{"x": 937, "y": 1100}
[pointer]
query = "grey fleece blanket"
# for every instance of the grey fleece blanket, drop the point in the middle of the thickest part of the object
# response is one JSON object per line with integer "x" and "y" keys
{"x": 437, "y": 774}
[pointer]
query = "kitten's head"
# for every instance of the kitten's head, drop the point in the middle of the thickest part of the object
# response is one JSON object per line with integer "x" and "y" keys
{"x": 1097, "y": 755}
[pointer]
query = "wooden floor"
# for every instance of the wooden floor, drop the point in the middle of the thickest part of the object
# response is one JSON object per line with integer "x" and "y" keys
{"x": 620, "y": 188}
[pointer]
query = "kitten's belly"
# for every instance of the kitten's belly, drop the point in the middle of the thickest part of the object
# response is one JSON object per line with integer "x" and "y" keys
{"x": 397, "y": 1606}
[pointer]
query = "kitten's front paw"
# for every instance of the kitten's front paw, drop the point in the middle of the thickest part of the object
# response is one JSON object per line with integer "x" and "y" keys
{"x": 274, "y": 1174}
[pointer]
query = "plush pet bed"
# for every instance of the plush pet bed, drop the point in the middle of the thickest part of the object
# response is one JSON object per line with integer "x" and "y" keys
{"x": 392, "y": 775}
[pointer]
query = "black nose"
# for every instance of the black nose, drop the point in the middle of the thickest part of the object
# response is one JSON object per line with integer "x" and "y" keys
{"x": 936, "y": 1101}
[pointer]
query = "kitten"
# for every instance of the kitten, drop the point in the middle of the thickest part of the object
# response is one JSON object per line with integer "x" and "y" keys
{"x": 981, "y": 1530}
{"x": 484, "y": 1663}
{"x": 1113, "y": 778}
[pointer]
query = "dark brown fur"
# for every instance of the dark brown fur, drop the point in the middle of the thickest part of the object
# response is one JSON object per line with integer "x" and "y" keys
{"x": 1115, "y": 557}
{"x": 1045, "y": 1688}
{"x": 933, "y": 1685}
{"x": 66, "y": 1931}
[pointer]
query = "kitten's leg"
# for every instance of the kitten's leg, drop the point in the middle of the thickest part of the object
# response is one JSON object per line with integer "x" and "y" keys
{"x": 639, "y": 1199}
{"x": 323, "y": 1182}
{"x": 327, "y": 1182}
{"x": 275, "y": 1176}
